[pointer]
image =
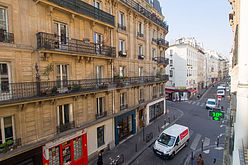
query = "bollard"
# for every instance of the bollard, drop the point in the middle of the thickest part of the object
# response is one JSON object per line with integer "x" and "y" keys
{"x": 214, "y": 160}
{"x": 192, "y": 158}
{"x": 217, "y": 141}
{"x": 202, "y": 146}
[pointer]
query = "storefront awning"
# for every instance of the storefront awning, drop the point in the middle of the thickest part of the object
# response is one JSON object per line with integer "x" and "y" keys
{"x": 192, "y": 90}
{"x": 169, "y": 91}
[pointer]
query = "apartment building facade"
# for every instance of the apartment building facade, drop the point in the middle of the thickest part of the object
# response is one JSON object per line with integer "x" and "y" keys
{"x": 187, "y": 69}
{"x": 77, "y": 77}
{"x": 238, "y": 135}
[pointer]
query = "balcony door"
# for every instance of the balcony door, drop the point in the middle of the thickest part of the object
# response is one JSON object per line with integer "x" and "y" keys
{"x": 98, "y": 39}
{"x": 65, "y": 115}
{"x": 99, "y": 74}
{"x": 5, "y": 88}
{"x": 61, "y": 35}
{"x": 62, "y": 76}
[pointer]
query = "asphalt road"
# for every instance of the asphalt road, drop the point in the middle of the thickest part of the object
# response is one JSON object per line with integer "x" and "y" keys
{"x": 201, "y": 127}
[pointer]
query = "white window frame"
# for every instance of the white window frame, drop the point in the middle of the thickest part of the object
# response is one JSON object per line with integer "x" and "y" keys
{"x": 121, "y": 18}
{"x": 2, "y": 127}
{"x": 122, "y": 46}
{"x": 122, "y": 71}
{"x": 140, "y": 71}
{"x": 140, "y": 50}
{"x": 98, "y": 105}
{"x": 63, "y": 113}
{"x": 5, "y": 10}
{"x": 123, "y": 99}
{"x": 153, "y": 53}
{"x": 9, "y": 79}
{"x": 97, "y": 4}
{"x": 140, "y": 27}
{"x": 62, "y": 85}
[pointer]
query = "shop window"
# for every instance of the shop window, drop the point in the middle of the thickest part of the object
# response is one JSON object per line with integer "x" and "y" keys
{"x": 4, "y": 77}
{"x": 100, "y": 105}
{"x": 6, "y": 129}
{"x": 54, "y": 155}
{"x": 125, "y": 127}
{"x": 100, "y": 136}
{"x": 77, "y": 146}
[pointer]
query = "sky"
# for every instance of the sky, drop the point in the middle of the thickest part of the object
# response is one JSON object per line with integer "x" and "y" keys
{"x": 206, "y": 20}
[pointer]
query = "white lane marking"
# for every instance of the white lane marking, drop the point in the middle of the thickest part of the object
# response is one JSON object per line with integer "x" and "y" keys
{"x": 190, "y": 101}
{"x": 193, "y": 102}
{"x": 206, "y": 142}
{"x": 202, "y": 104}
{"x": 219, "y": 148}
{"x": 206, "y": 151}
{"x": 195, "y": 142}
{"x": 197, "y": 103}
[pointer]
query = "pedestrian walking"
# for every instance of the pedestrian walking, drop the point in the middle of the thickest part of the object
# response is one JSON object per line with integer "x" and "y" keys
{"x": 99, "y": 160}
{"x": 200, "y": 161}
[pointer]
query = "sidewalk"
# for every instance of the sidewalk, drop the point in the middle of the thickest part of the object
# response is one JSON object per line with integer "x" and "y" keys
{"x": 135, "y": 146}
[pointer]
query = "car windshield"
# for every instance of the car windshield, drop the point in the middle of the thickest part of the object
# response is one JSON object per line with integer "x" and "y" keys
{"x": 211, "y": 102}
{"x": 166, "y": 139}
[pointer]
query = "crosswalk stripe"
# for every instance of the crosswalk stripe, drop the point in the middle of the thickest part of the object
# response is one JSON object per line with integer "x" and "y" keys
{"x": 193, "y": 102}
{"x": 197, "y": 103}
{"x": 202, "y": 104}
{"x": 195, "y": 142}
{"x": 190, "y": 102}
{"x": 206, "y": 142}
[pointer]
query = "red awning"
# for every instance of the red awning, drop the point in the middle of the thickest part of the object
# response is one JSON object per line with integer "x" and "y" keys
{"x": 169, "y": 91}
{"x": 192, "y": 90}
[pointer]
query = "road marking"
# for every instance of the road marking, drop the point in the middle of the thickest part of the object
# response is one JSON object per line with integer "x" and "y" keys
{"x": 219, "y": 148}
{"x": 189, "y": 102}
{"x": 206, "y": 151}
{"x": 206, "y": 142}
{"x": 197, "y": 103}
{"x": 195, "y": 142}
{"x": 193, "y": 102}
{"x": 202, "y": 104}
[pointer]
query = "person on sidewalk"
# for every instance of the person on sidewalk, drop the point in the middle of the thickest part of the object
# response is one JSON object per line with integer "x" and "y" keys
{"x": 99, "y": 160}
{"x": 200, "y": 161}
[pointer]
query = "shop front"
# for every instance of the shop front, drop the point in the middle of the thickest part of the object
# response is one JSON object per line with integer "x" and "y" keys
{"x": 68, "y": 150}
{"x": 125, "y": 125}
{"x": 156, "y": 110}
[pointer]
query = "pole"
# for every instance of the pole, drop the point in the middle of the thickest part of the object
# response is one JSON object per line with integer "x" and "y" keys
{"x": 217, "y": 141}
{"x": 202, "y": 146}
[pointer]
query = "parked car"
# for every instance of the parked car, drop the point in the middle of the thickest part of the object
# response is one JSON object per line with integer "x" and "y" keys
{"x": 210, "y": 103}
{"x": 221, "y": 92}
{"x": 171, "y": 141}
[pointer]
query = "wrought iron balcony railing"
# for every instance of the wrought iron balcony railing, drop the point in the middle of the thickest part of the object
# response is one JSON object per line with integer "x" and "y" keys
{"x": 146, "y": 13}
{"x": 124, "y": 106}
{"x": 65, "y": 127}
{"x": 162, "y": 60}
{"x": 122, "y": 27}
{"x": 6, "y": 37}
{"x": 17, "y": 92}
{"x": 62, "y": 43}
{"x": 86, "y": 9}
{"x": 163, "y": 42}
{"x": 139, "y": 34}
{"x": 101, "y": 115}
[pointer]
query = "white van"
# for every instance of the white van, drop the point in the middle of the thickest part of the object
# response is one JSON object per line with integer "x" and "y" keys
{"x": 171, "y": 141}
{"x": 211, "y": 103}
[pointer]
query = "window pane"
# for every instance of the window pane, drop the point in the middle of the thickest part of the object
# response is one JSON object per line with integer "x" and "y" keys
{"x": 1, "y": 140}
{"x": 4, "y": 78}
{"x": 8, "y": 129}
{"x": 100, "y": 136}
{"x": 97, "y": 105}
{"x": 3, "y": 19}
{"x": 101, "y": 104}
{"x": 66, "y": 113}
{"x": 60, "y": 115}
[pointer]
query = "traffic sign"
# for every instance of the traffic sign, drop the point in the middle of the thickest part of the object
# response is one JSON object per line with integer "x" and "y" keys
{"x": 219, "y": 96}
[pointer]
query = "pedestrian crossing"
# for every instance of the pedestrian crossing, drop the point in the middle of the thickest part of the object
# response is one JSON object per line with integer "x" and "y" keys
{"x": 196, "y": 103}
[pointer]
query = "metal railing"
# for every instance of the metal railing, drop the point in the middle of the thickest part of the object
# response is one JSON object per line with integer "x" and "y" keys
{"x": 162, "y": 60}
{"x": 139, "y": 34}
{"x": 122, "y": 27}
{"x": 54, "y": 42}
{"x": 124, "y": 106}
{"x": 6, "y": 36}
{"x": 101, "y": 115}
{"x": 146, "y": 13}
{"x": 65, "y": 127}
{"x": 163, "y": 42}
{"x": 17, "y": 92}
{"x": 86, "y": 9}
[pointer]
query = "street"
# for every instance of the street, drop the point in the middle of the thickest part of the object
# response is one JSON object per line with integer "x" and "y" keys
{"x": 203, "y": 131}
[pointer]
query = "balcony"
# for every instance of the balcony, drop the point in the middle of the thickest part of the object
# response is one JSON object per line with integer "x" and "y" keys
{"x": 146, "y": 13}
{"x": 122, "y": 54}
{"x": 101, "y": 115}
{"x": 27, "y": 91}
{"x": 162, "y": 42}
{"x": 122, "y": 27}
{"x": 162, "y": 60}
{"x": 65, "y": 127}
{"x": 154, "y": 40}
{"x": 6, "y": 37}
{"x": 141, "y": 101}
{"x": 141, "y": 57}
{"x": 58, "y": 43}
{"x": 86, "y": 9}
{"x": 141, "y": 35}
{"x": 124, "y": 106}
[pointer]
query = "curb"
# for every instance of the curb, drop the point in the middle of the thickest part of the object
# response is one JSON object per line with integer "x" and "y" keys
{"x": 154, "y": 139}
